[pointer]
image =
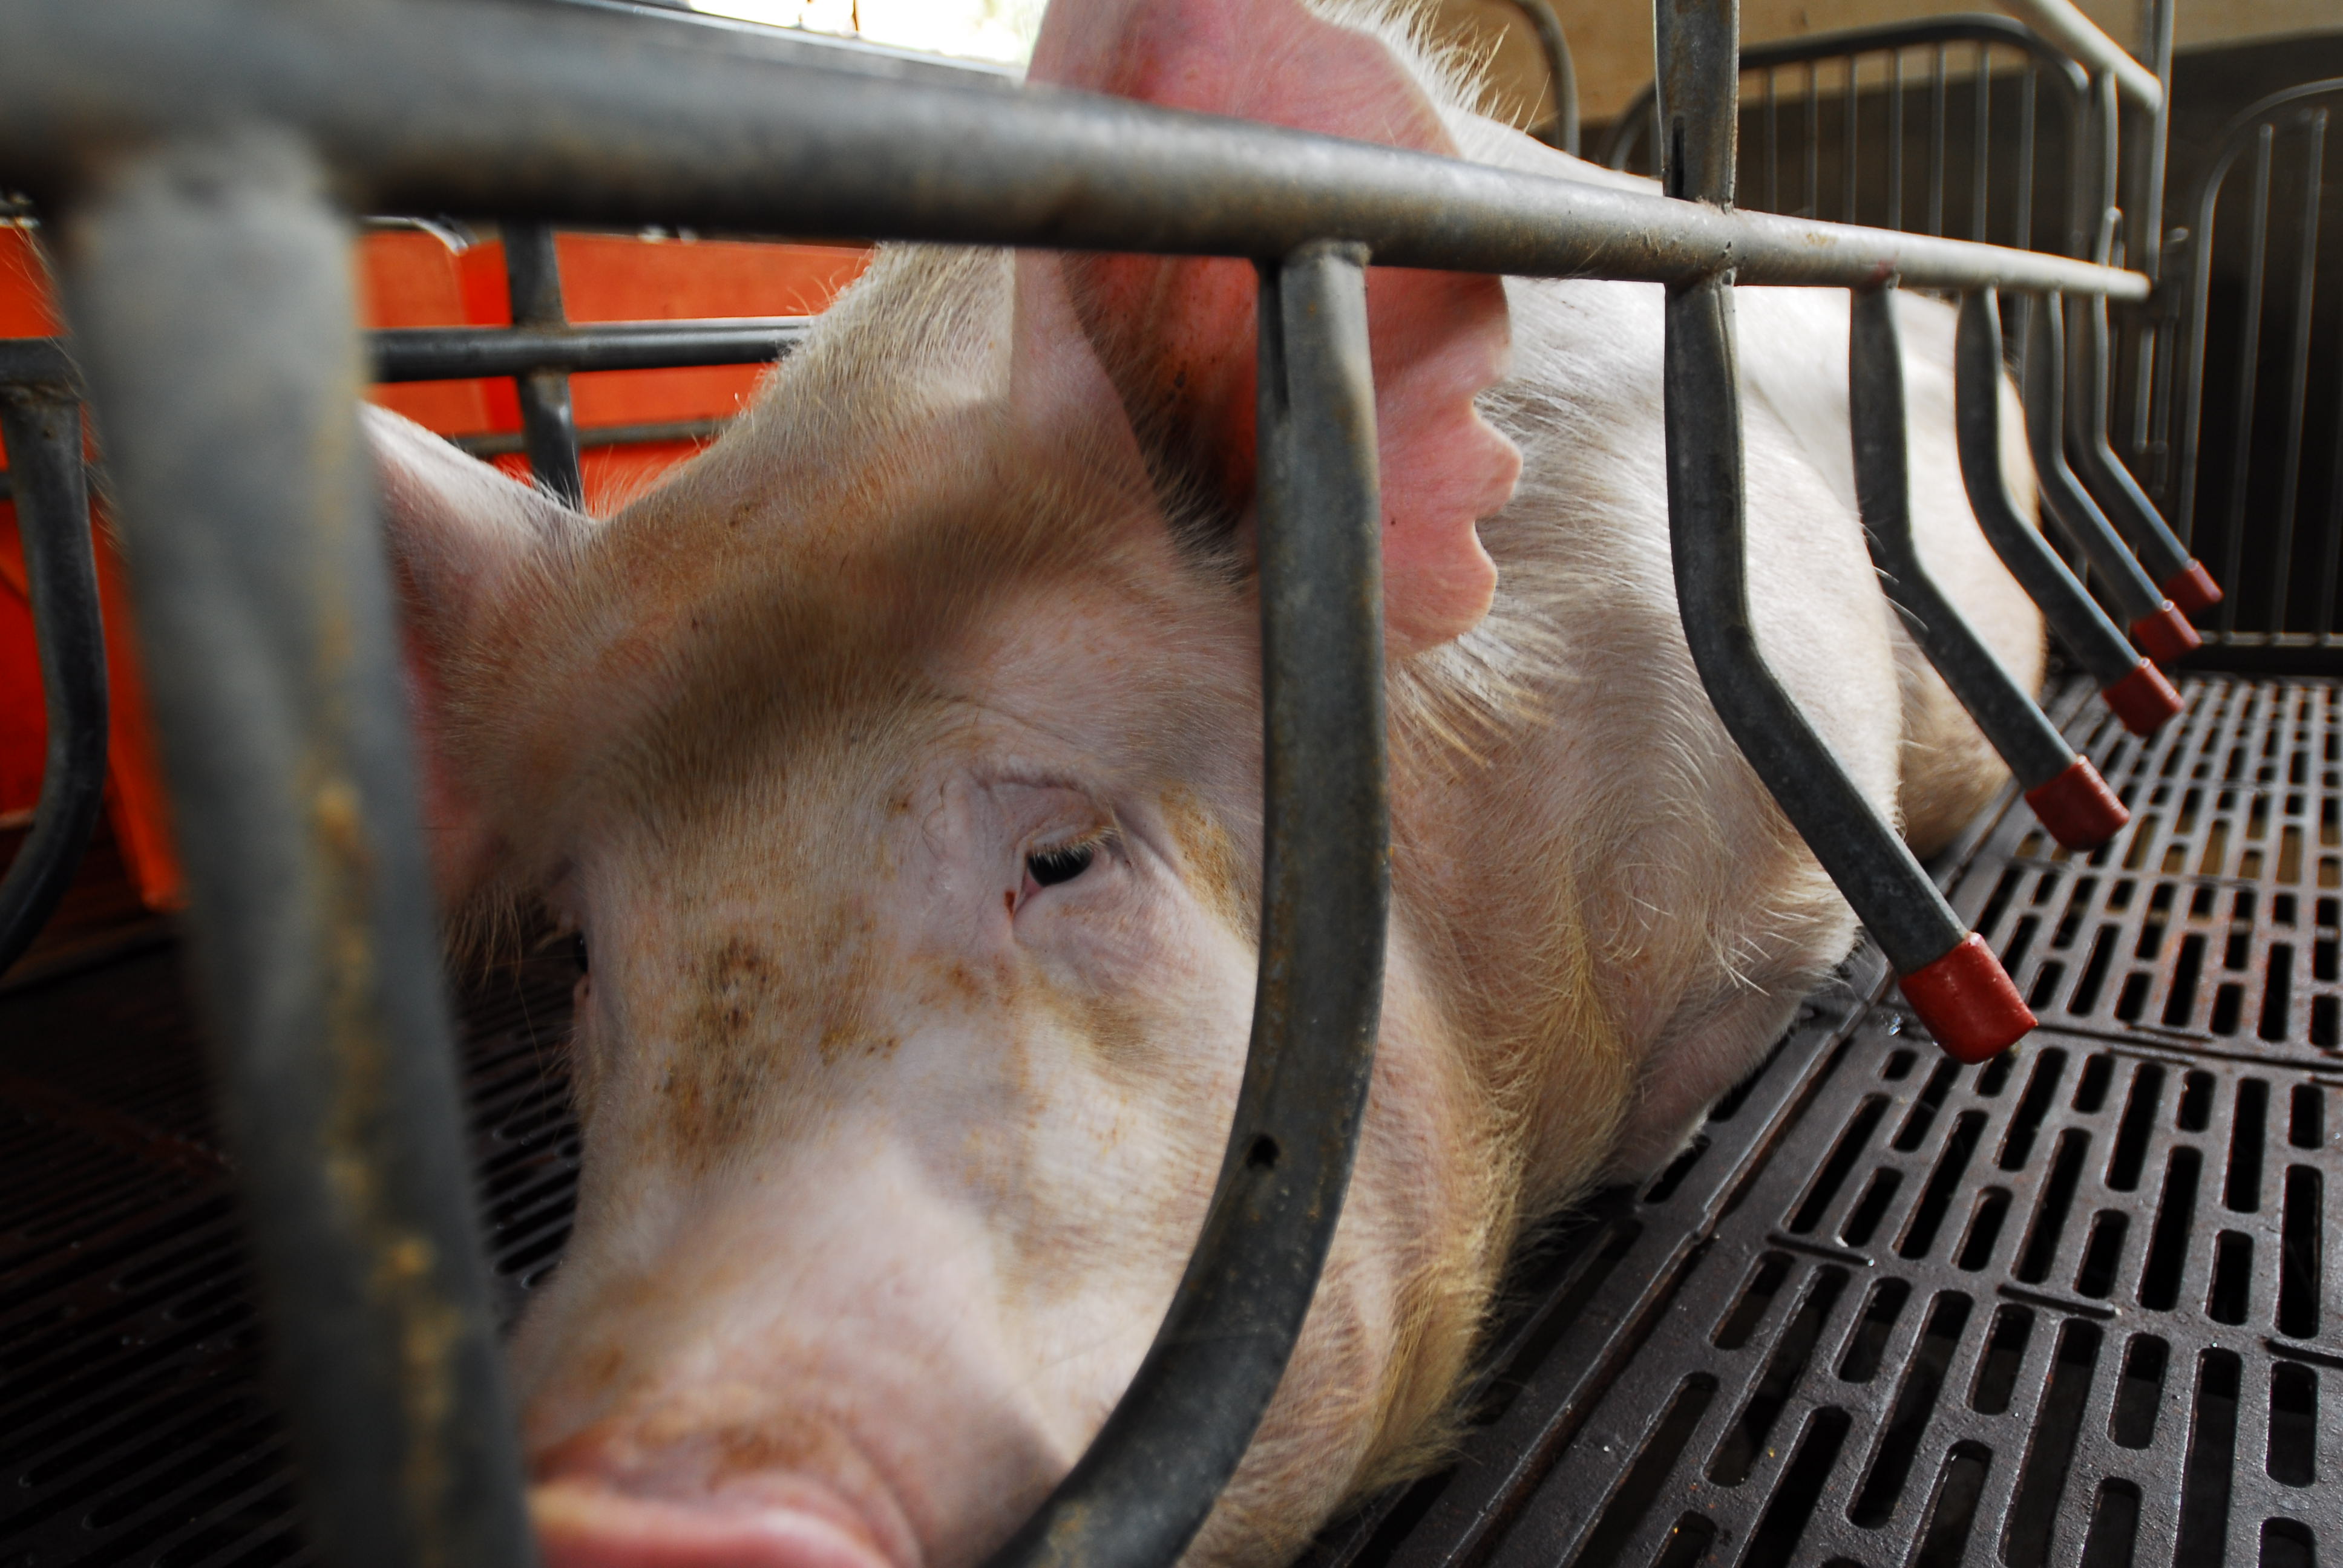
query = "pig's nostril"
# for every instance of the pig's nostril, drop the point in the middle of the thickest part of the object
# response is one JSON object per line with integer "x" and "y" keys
{"x": 1262, "y": 1155}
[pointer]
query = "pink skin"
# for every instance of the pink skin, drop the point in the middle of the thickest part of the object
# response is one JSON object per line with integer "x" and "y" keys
{"x": 965, "y": 1208}
{"x": 894, "y": 1147}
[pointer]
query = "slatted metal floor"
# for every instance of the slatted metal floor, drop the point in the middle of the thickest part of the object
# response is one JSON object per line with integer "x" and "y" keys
{"x": 2074, "y": 1307}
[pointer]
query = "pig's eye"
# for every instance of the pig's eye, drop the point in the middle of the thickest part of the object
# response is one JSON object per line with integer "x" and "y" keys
{"x": 1048, "y": 868}
{"x": 577, "y": 952}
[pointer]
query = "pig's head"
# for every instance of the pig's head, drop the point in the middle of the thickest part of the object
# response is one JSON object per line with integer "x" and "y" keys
{"x": 897, "y": 767}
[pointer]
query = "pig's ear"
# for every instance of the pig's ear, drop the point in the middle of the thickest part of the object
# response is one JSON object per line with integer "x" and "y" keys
{"x": 465, "y": 540}
{"x": 1177, "y": 336}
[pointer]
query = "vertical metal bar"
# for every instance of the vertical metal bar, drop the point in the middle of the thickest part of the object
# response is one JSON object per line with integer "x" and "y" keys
{"x": 2028, "y": 113}
{"x": 1561, "y": 75}
{"x": 2249, "y": 354}
{"x": 2089, "y": 411}
{"x": 1937, "y": 142}
{"x": 2305, "y": 289}
{"x": 1145, "y": 1487}
{"x": 2132, "y": 686}
{"x": 1950, "y": 977}
{"x": 1981, "y": 146}
{"x": 41, "y": 427}
{"x": 2162, "y": 632}
{"x": 1813, "y": 207}
{"x": 263, "y": 615}
{"x": 2065, "y": 792}
{"x": 2089, "y": 415}
{"x": 533, "y": 274}
{"x": 2145, "y": 171}
{"x": 1895, "y": 140}
{"x": 1851, "y": 138}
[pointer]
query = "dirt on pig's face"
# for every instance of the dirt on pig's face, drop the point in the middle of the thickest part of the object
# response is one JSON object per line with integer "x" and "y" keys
{"x": 915, "y": 866}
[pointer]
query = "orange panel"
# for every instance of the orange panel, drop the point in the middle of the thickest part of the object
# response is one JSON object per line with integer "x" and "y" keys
{"x": 410, "y": 278}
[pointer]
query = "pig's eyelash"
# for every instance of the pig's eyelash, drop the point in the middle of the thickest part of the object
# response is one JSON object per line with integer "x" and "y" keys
{"x": 1050, "y": 865}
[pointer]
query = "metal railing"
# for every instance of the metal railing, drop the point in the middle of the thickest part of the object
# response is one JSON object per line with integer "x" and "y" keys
{"x": 196, "y": 157}
{"x": 2258, "y": 469}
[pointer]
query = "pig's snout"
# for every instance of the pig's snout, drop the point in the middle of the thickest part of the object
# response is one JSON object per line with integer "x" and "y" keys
{"x": 583, "y": 1524}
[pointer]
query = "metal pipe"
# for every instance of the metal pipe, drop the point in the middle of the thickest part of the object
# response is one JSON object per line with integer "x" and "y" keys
{"x": 2162, "y": 632}
{"x": 1951, "y": 979}
{"x": 548, "y": 427}
{"x": 460, "y": 352}
{"x": 2133, "y": 687}
{"x": 2065, "y": 792}
{"x": 1559, "y": 72}
{"x": 41, "y": 427}
{"x": 2063, "y": 22}
{"x": 263, "y": 616}
{"x": 2088, "y": 415}
{"x": 466, "y": 353}
{"x": 1144, "y": 1488}
{"x": 554, "y": 116}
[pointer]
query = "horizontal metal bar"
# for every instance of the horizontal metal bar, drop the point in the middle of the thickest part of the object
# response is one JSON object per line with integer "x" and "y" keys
{"x": 463, "y": 353}
{"x": 592, "y": 436}
{"x": 460, "y": 353}
{"x": 473, "y": 108}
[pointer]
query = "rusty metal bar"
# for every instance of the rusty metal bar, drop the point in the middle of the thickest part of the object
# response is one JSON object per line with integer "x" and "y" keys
{"x": 1150, "y": 1478}
{"x": 263, "y": 615}
{"x": 550, "y": 116}
{"x": 41, "y": 424}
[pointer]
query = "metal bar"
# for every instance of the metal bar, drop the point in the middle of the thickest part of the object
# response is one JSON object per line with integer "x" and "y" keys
{"x": 2249, "y": 355}
{"x": 2305, "y": 286}
{"x": 263, "y": 615}
{"x": 465, "y": 353}
{"x": 1773, "y": 145}
{"x": 2028, "y": 113}
{"x": 1143, "y": 1490}
{"x": 460, "y": 352}
{"x": 1937, "y": 143}
{"x": 552, "y": 115}
{"x": 2063, "y": 22}
{"x": 1560, "y": 74}
{"x": 533, "y": 275}
{"x": 2065, "y": 791}
{"x": 1951, "y": 980}
{"x": 1894, "y": 139}
{"x": 2090, "y": 413}
{"x": 42, "y": 429}
{"x": 2132, "y": 686}
{"x": 2160, "y": 551}
{"x": 1980, "y": 144}
{"x": 2162, "y": 632}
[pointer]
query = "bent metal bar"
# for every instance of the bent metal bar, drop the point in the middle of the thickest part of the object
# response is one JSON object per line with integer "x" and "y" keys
{"x": 198, "y": 160}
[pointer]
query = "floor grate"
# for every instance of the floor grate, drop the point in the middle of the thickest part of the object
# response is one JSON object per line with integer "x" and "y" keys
{"x": 134, "y": 1428}
{"x": 2076, "y": 1307}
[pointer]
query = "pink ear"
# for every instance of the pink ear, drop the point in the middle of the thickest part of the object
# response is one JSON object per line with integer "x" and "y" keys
{"x": 1177, "y": 336}
{"x": 463, "y": 539}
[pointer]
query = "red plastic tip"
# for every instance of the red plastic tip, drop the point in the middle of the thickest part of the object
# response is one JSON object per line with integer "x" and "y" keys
{"x": 2143, "y": 699}
{"x": 1967, "y": 1002}
{"x": 2164, "y": 634}
{"x": 2077, "y": 807}
{"x": 2193, "y": 588}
